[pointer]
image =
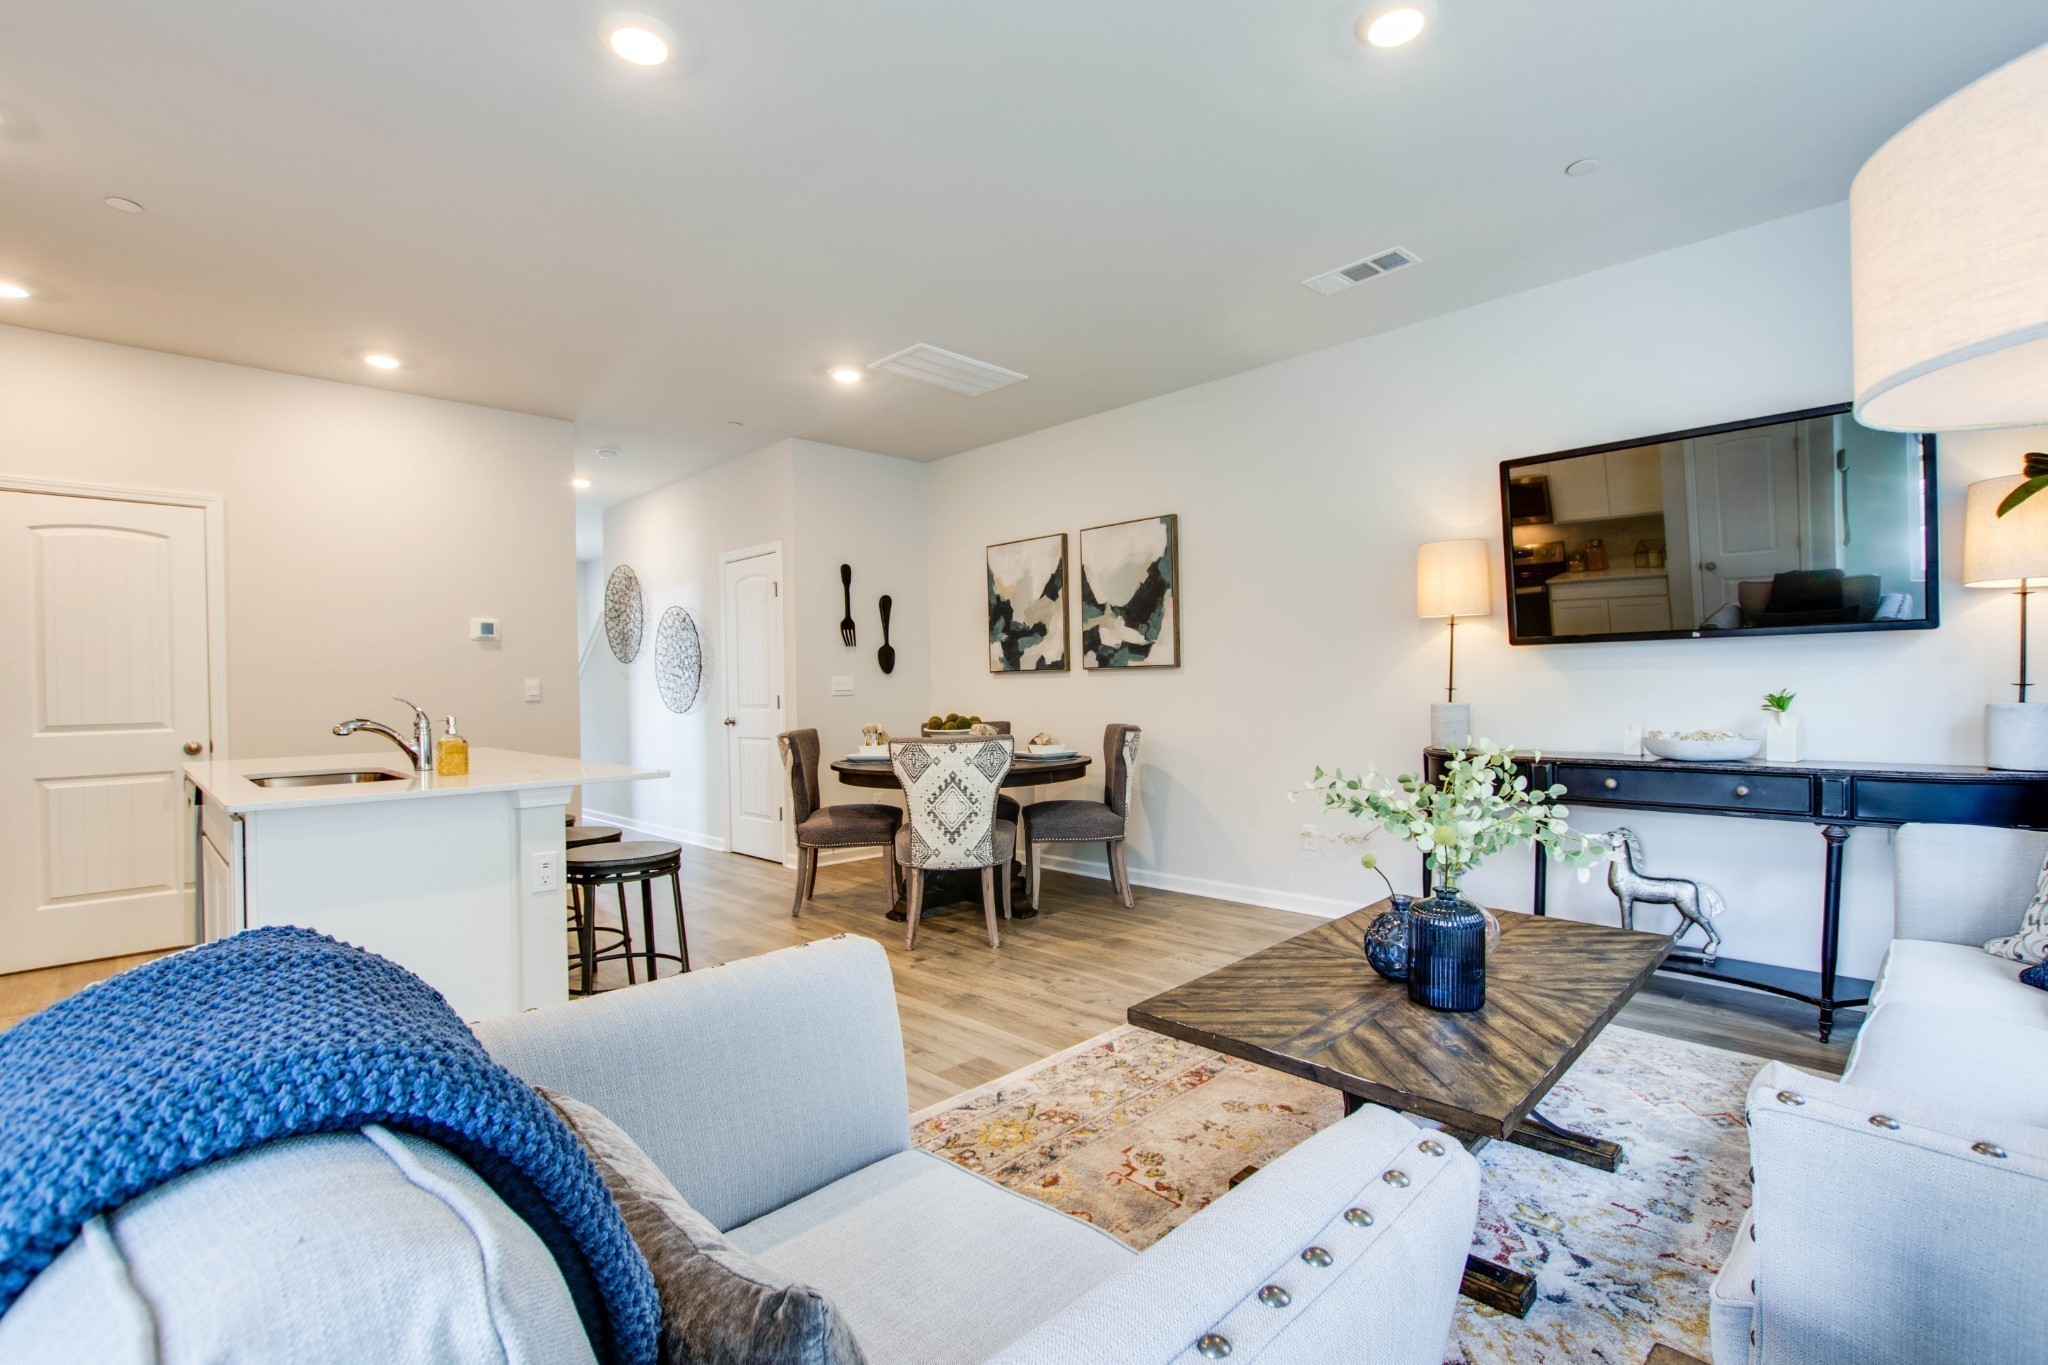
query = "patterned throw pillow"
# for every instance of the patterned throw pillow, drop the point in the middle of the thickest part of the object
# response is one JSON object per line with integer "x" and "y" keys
{"x": 718, "y": 1307}
{"x": 2030, "y": 944}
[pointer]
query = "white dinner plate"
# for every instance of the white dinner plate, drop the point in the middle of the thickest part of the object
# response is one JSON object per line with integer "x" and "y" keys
{"x": 1052, "y": 753}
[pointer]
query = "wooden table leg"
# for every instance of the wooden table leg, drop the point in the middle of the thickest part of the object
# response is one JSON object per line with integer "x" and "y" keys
{"x": 1540, "y": 1133}
{"x": 1496, "y": 1286}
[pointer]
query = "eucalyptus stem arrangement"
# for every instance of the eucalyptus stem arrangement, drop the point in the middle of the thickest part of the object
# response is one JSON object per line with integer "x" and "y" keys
{"x": 1478, "y": 807}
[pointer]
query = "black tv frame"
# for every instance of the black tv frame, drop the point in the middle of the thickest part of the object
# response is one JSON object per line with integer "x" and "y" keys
{"x": 1931, "y": 621}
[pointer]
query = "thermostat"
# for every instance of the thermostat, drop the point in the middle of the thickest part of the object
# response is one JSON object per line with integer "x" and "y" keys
{"x": 483, "y": 628}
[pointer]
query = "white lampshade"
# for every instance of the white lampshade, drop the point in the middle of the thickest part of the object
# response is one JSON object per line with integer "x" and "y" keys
{"x": 2001, "y": 552}
{"x": 1949, "y": 261}
{"x": 1451, "y": 579}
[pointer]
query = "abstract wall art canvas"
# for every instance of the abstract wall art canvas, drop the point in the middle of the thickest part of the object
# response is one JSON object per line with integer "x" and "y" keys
{"x": 1027, "y": 605}
{"x": 1130, "y": 594}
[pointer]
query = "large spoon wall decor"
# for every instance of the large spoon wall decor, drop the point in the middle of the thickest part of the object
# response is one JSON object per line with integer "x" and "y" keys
{"x": 886, "y": 655}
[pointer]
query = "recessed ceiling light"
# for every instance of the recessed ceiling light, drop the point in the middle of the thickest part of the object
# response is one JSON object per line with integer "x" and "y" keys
{"x": 10, "y": 290}
{"x": 1391, "y": 23}
{"x": 639, "y": 39}
{"x": 579, "y": 483}
{"x": 378, "y": 361}
{"x": 847, "y": 374}
{"x": 607, "y": 452}
{"x": 115, "y": 201}
{"x": 1583, "y": 166}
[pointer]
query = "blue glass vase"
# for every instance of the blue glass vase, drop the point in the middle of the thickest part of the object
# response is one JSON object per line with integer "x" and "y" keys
{"x": 1386, "y": 939}
{"x": 1447, "y": 952}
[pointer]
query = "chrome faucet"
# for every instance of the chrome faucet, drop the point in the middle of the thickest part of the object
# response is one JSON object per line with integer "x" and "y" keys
{"x": 421, "y": 748}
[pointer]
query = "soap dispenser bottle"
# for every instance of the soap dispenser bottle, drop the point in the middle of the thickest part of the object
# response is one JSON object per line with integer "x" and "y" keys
{"x": 451, "y": 755}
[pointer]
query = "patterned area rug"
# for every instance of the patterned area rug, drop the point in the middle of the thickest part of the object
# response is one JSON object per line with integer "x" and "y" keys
{"x": 1135, "y": 1133}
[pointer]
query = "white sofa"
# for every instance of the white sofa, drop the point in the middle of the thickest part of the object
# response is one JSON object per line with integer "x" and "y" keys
{"x": 1901, "y": 1213}
{"x": 771, "y": 1092}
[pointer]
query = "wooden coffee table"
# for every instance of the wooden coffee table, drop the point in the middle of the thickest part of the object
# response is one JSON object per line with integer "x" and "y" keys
{"x": 1311, "y": 1007}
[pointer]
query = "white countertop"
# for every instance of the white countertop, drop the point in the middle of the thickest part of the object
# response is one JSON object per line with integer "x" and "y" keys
{"x": 226, "y": 781}
{"x": 1609, "y": 575}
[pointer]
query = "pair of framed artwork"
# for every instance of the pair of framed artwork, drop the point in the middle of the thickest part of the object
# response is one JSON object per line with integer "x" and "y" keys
{"x": 1130, "y": 599}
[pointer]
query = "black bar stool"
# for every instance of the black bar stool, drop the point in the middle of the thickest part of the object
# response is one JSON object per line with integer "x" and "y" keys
{"x": 644, "y": 861}
{"x": 579, "y": 836}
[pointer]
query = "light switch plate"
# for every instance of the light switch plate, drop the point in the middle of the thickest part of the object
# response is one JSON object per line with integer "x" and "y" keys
{"x": 546, "y": 872}
{"x": 533, "y": 689}
{"x": 842, "y": 684}
{"x": 485, "y": 628}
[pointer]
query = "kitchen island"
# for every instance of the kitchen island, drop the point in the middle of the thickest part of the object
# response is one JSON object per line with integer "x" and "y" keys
{"x": 459, "y": 879}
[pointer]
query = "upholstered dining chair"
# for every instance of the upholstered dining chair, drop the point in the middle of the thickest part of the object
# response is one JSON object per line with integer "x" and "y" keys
{"x": 949, "y": 789}
{"x": 1090, "y": 822}
{"x": 819, "y": 826}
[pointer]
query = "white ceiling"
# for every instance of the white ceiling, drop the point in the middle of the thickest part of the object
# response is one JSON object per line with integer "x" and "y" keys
{"x": 1118, "y": 199}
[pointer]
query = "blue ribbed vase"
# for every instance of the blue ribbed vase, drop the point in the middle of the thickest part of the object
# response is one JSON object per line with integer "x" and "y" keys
{"x": 1447, "y": 952}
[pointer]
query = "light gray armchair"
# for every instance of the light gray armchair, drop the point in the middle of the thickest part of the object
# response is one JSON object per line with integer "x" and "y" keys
{"x": 1901, "y": 1213}
{"x": 771, "y": 1091}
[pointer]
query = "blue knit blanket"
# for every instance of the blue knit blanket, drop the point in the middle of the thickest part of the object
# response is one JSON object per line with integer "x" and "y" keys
{"x": 270, "y": 1034}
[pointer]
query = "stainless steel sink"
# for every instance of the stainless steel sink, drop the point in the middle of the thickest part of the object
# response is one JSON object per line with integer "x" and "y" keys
{"x": 324, "y": 779}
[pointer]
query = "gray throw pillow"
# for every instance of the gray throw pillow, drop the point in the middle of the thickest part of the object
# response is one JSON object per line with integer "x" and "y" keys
{"x": 718, "y": 1307}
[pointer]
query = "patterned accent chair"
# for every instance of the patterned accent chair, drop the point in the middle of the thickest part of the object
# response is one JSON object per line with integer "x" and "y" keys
{"x": 818, "y": 826}
{"x": 1090, "y": 822}
{"x": 950, "y": 788}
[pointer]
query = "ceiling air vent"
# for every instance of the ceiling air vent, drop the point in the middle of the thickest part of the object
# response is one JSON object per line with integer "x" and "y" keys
{"x": 930, "y": 365}
{"x": 1385, "y": 262}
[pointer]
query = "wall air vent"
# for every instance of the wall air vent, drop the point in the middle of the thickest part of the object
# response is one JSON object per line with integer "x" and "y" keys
{"x": 930, "y": 365}
{"x": 1382, "y": 263}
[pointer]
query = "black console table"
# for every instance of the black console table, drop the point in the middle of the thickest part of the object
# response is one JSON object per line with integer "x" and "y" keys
{"x": 1837, "y": 797}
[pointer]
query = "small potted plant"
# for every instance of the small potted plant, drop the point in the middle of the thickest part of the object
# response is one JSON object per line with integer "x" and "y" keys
{"x": 1781, "y": 728}
{"x": 1480, "y": 805}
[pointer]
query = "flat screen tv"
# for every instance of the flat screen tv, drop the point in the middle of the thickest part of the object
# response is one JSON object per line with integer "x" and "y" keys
{"x": 1799, "y": 523}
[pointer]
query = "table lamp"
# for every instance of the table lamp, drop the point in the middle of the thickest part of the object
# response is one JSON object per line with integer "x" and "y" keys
{"x": 1451, "y": 580}
{"x": 2009, "y": 552}
{"x": 1948, "y": 268}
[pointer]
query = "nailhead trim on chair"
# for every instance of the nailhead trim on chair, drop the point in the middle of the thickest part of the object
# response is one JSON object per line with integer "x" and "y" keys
{"x": 1352, "y": 1234}
{"x": 1787, "y": 1097}
{"x": 1883, "y": 1121}
{"x": 1988, "y": 1149}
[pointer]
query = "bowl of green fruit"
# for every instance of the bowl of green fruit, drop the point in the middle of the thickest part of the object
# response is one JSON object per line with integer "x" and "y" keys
{"x": 952, "y": 723}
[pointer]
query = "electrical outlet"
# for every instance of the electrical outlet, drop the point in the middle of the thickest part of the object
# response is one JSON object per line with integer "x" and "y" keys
{"x": 546, "y": 873}
{"x": 1308, "y": 838}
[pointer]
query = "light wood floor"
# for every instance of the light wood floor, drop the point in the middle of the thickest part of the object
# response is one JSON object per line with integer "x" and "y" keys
{"x": 972, "y": 1013}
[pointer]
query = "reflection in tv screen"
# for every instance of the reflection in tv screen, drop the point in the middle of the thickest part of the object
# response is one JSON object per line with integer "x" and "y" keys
{"x": 1799, "y": 522}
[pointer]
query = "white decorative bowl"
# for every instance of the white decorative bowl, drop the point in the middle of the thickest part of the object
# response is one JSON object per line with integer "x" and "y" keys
{"x": 1702, "y": 750}
{"x": 872, "y": 751}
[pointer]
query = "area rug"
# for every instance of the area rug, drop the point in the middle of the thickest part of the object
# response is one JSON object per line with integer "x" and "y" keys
{"x": 1136, "y": 1133}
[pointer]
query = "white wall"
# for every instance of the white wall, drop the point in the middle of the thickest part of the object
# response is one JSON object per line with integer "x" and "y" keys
{"x": 672, "y": 539}
{"x": 364, "y": 529}
{"x": 827, "y": 506}
{"x": 867, "y": 511}
{"x": 1303, "y": 489}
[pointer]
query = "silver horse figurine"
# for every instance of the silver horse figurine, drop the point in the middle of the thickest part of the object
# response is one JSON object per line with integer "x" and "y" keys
{"x": 1696, "y": 902}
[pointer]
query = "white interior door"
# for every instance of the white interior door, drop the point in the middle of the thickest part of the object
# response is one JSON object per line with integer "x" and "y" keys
{"x": 103, "y": 685}
{"x": 753, "y": 704}
{"x": 1746, "y": 510}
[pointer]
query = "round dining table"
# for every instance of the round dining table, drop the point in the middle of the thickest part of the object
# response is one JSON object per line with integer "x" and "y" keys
{"x": 1026, "y": 770}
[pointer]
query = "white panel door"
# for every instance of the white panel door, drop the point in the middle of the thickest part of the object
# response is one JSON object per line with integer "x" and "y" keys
{"x": 1746, "y": 511}
{"x": 753, "y": 704}
{"x": 103, "y": 685}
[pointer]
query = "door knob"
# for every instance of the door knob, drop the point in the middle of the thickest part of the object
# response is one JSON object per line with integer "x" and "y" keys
{"x": 1709, "y": 566}
{"x": 730, "y": 721}
{"x": 193, "y": 747}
